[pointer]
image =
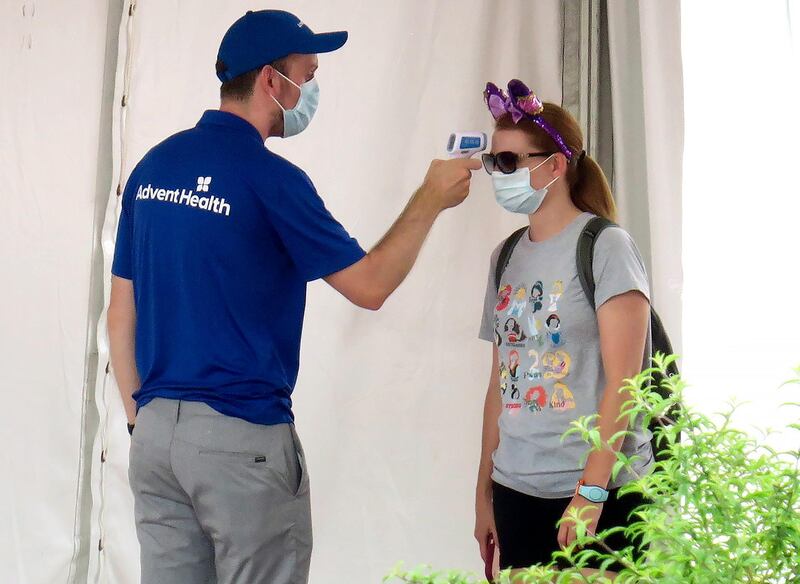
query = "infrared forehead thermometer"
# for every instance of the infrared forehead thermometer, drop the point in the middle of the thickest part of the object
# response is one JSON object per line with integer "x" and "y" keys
{"x": 466, "y": 144}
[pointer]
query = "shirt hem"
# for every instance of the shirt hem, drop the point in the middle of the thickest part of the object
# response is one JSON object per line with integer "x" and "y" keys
{"x": 282, "y": 416}
{"x": 527, "y": 489}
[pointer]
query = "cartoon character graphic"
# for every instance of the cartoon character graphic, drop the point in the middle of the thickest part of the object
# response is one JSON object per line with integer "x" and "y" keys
{"x": 554, "y": 330}
{"x": 504, "y": 388}
{"x": 514, "y": 391}
{"x": 514, "y": 333}
{"x": 534, "y": 330}
{"x": 556, "y": 365}
{"x": 513, "y": 365}
{"x": 561, "y": 399}
{"x": 537, "y": 293}
{"x": 536, "y": 398}
{"x": 555, "y": 294}
{"x": 504, "y": 298}
{"x": 498, "y": 339}
{"x": 533, "y": 373}
{"x": 520, "y": 302}
{"x": 503, "y": 371}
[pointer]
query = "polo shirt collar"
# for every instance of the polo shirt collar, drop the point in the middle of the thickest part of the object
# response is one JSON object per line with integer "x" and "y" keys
{"x": 229, "y": 121}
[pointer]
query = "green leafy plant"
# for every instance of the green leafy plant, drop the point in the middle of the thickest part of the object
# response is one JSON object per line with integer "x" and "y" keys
{"x": 723, "y": 507}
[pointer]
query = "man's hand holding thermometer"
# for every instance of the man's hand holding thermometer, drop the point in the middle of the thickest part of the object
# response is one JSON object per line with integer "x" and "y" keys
{"x": 447, "y": 181}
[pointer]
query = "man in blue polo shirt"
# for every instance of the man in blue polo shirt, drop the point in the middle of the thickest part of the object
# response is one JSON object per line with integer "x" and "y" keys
{"x": 217, "y": 240}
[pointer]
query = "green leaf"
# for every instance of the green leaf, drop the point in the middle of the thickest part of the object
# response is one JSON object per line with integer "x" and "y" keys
{"x": 618, "y": 466}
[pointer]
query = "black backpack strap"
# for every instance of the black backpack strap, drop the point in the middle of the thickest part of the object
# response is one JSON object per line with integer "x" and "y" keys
{"x": 505, "y": 255}
{"x": 584, "y": 254}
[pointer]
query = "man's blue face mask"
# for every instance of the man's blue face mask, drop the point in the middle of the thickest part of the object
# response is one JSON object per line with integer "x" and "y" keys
{"x": 296, "y": 120}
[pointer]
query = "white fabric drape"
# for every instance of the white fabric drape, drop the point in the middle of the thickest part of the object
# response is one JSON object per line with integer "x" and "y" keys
{"x": 54, "y": 172}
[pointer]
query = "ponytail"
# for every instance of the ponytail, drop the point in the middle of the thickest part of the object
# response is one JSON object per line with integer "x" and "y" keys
{"x": 590, "y": 191}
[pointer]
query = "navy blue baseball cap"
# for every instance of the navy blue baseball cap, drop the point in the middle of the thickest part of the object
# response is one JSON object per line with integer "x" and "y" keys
{"x": 262, "y": 37}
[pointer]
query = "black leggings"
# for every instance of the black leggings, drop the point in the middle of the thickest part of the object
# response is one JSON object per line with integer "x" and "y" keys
{"x": 527, "y": 533}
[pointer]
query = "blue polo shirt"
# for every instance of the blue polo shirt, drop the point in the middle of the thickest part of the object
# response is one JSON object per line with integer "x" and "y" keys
{"x": 220, "y": 237}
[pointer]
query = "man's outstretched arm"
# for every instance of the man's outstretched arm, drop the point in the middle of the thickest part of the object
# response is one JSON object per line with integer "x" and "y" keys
{"x": 369, "y": 282}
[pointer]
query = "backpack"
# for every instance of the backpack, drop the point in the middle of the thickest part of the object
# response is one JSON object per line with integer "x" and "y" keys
{"x": 584, "y": 259}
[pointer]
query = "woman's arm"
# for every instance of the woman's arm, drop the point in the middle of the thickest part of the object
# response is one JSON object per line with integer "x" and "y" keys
{"x": 623, "y": 322}
{"x": 490, "y": 437}
{"x": 484, "y": 514}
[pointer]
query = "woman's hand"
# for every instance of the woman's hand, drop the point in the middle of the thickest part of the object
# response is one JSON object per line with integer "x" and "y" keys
{"x": 484, "y": 524}
{"x": 587, "y": 511}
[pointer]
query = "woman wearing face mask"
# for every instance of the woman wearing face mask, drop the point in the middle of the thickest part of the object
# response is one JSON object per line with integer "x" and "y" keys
{"x": 528, "y": 477}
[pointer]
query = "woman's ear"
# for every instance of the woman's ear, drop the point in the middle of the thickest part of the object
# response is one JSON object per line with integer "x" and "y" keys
{"x": 561, "y": 164}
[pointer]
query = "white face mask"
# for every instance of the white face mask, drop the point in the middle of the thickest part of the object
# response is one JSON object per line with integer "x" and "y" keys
{"x": 296, "y": 120}
{"x": 515, "y": 193}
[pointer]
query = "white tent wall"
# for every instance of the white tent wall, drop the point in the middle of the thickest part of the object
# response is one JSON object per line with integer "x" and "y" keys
{"x": 58, "y": 61}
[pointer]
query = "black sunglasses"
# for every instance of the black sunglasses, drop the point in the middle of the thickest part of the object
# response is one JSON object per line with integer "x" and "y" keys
{"x": 506, "y": 162}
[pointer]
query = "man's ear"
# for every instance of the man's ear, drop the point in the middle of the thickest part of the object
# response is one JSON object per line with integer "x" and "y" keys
{"x": 266, "y": 78}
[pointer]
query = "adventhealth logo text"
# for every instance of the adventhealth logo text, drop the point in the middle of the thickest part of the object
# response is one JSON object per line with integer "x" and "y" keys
{"x": 187, "y": 197}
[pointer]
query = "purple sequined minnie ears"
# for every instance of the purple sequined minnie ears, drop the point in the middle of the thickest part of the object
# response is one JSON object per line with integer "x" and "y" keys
{"x": 520, "y": 103}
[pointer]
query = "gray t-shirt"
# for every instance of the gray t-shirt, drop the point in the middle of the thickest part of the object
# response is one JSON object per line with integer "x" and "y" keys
{"x": 551, "y": 370}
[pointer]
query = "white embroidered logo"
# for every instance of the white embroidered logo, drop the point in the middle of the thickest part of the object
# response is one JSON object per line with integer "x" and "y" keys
{"x": 187, "y": 197}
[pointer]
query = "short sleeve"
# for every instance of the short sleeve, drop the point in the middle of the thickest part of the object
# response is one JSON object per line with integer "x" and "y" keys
{"x": 318, "y": 244}
{"x": 487, "y": 330}
{"x": 122, "y": 265}
{"x": 618, "y": 266}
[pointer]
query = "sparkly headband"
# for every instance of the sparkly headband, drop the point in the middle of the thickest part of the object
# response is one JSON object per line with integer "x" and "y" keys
{"x": 520, "y": 103}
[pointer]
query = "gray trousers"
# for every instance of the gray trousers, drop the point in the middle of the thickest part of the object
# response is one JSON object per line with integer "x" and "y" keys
{"x": 218, "y": 499}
